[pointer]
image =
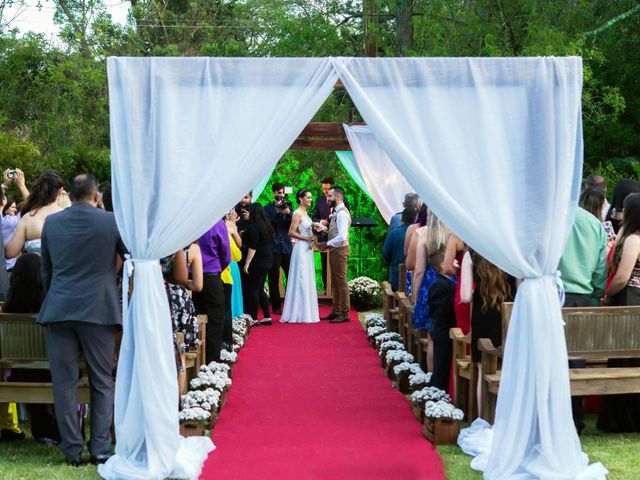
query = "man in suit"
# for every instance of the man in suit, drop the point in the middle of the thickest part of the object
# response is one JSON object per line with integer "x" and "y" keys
{"x": 321, "y": 213}
{"x": 338, "y": 246}
{"x": 81, "y": 311}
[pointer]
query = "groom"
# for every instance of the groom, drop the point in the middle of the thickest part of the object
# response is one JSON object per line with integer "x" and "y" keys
{"x": 338, "y": 246}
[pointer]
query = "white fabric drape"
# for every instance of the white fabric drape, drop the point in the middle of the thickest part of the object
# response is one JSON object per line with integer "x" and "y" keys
{"x": 383, "y": 179}
{"x": 494, "y": 146}
{"x": 189, "y": 137}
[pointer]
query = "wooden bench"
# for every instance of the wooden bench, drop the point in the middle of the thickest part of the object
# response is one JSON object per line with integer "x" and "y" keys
{"x": 594, "y": 334}
{"x": 402, "y": 278}
{"x": 390, "y": 309}
{"x": 465, "y": 374}
{"x": 23, "y": 345}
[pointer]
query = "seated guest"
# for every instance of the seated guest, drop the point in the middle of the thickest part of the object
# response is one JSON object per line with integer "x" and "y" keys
{"x": 623, "y": 189}
{"x": 25, "y": 295}
{"x": 487, "y": 288}
{"x": 393, "y": 248}
{"x": 443, "y": 318}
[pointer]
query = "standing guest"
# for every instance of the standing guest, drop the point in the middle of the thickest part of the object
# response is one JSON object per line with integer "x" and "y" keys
{"x": 339, "y": 250}
{"x": 321, "y": 213}
{"x": 236, "y": 291}
{"x": 258, "y": 239}
{"x": 26, "y": 293}
{"x": 228, "y": 282}
{"x": 393, "y": 248}
{"x": 216, "y": 256}
{"x": 487, "y": 287}
{"x": 623, "y": 189}
{"x": 598, "y": 181}
{"x": 621, "y": 413}
{"x": 279, "y": 213}
{"x": 81, "y": 310}
{"x": 411, "y": 200}
{"x": 443, "y": 318}
{"x": 106, "y": 202}
{"x": 9, "y": 208}
{"x": 410, "y": 246}
{"x": 45, "y": 199}
{"x": 242, "y": 209}
{"x": 16, "y": 176}
{"x": 452, "y": 261}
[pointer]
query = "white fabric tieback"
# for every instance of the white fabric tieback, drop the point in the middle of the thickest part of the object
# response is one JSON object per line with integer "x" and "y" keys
{"x": 127, "y": 271}
{"x": 556, "y": 277}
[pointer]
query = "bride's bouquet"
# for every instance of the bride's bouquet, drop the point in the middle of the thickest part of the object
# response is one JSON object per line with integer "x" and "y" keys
{"x": 318, "y": 229}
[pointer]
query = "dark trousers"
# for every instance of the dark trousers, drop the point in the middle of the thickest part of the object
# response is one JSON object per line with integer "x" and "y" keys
{"x": 577, "y": 403}
{"x": 66, "y": 342}
{"x": 442, "y": 355}
{"x": 211, "y": 302}
{"x": 279, "y": 260}
{"x": 227, "y": 335}
{"x": 323, "y": 261}
{"x": 255, "y": 285}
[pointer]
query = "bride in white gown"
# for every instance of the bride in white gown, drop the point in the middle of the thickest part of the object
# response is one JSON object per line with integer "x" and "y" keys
{"x": 301, "y": 298}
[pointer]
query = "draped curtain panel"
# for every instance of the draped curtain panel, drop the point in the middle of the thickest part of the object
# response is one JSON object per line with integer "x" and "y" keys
{"x": 348, "y": 161}
{"x": 494, "y": 147}
{"x": 383, "y": 179}
{"x": 189, "y": 138}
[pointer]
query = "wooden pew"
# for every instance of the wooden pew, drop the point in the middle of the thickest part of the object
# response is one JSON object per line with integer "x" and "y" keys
{"x": 23, "y": 345}
{"x": 404, "y": 305}
{"x": 592, "y": 333}
{"x": 402, "y": 278}
{"x": 465, "y": 374}
{"x": 390, "y": 309}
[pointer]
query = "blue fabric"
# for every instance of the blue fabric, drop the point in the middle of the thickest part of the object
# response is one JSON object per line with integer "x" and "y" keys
{"x": 421, "y": 318}
{"x": 393, "y": 252}
{"x": 349, "y": 163}
{"x": 236, "y": 292}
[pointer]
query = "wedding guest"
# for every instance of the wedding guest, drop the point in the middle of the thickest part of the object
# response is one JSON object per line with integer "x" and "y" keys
{"x": 25, "y": 295}
{"x": 452, "y": 261}
{"x": 9, "y": 209}
{"x": 621, "y": 413}
{"x": 598, "y": 181}
{"x": 623, "y": 189}
{"x": 440, "y": 300}
{"x": 487, "y": 288}
{"x": 432, "y": 239}
{"x": 258, "y": 239}
{"x": 210, "y": 301}
{"x": 321, "y": 213}
{"x": 279, "y": 212}
{"x": 81, "y": 311}
{"x": 228, "y": 283}
{"x": 44, "y": 200}
{"x": 393, "y": 248}
{"x": 412, "y": 201}
{"x": 15, "y": 176}
{"x": 106, "y": 202}
{"x": 410, "y": 246}
{"x": 10, "y": 215}
{"x": 236, "y": 291}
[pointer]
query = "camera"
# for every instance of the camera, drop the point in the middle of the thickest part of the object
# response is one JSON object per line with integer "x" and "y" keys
{"x": 281, "y": 203}
{"x": 11, "y": 174}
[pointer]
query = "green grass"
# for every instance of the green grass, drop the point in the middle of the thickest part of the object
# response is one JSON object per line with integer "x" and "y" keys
{"x": 618, "y": 452}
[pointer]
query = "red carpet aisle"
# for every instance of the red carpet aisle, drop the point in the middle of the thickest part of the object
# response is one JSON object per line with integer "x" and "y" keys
{"x": 312, "y": 402}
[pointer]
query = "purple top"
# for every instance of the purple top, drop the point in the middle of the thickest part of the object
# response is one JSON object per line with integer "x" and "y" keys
{"x": 214, "y": 245}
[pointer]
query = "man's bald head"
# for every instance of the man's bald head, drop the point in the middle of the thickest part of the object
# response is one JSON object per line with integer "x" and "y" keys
{"x": 84, "y": 188}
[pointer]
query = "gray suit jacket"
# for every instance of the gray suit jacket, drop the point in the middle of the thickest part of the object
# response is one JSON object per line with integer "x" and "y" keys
{"x": 79, "y": 253}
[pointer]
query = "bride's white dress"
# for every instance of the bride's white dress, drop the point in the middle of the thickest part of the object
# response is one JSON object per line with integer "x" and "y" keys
{"x": 301, "y": 298}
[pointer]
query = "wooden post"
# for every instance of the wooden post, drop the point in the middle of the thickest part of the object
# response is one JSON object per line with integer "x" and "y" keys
{"x": 370, "y": 23}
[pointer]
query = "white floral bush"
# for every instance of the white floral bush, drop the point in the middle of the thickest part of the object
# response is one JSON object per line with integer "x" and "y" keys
{"x": 419, "y": 378}
{"x": 215, "y": 379}
{"x": 227, "y": 356}
{"x": 208, "y": 399}
{"x": 239, "y": 326}
{"x": 430, "y": 394}
{"x": 388, "y": 337}
{"x": 195, "y": 414}
{"x": 399, "y": 356}
{"x": 442, "y": 409}
{"x": 390, "y": 345}
{"x": 374, "y": 320}
{"x": 365, "y": 291}
{"x": 373, "y": 331}
{"x": 216, "y": 367}
{"x": 407, "y": 367}
{"x": 238, "y": 340}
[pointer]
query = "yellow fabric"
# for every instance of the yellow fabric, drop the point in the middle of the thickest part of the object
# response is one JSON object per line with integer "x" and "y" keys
{"x": 9, "y": 417}
{"x": 236, "y": 256}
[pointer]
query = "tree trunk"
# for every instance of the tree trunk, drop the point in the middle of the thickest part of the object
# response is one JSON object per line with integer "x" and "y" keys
{"x": 404, "y": 26}
{"x": 370, "y": 23}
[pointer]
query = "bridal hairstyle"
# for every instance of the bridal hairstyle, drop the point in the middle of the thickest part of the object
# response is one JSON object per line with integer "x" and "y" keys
{"x": 630, "y": 223}
{"x": 494, "y": 285}
{"x": 257, "y": 216}
{"x": 592, "y": 200}
{"x": 301, "y": 193}
{"x": 44, "y": 192}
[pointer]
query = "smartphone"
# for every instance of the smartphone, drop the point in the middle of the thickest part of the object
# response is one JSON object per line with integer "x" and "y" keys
{"x": 608, "y": 228}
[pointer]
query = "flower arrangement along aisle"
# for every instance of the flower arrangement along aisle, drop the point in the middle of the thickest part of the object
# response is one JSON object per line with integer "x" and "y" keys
{"x": 193, "y": 421}
{"x": 387, "y": 337}
{"x": 420, "y": 398}
{"x": 386, "y": 347}
{"x": 395, "y": 357}
{"x": 375, "y": 320}
{"x": 365, "y": 293}
{"x": 441, "y": 425}
{"x": 402, "y": 371}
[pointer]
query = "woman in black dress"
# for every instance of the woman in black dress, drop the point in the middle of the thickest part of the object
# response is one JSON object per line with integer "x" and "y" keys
{"x": 258, "y": 239}
{"x": 487, "y": 287}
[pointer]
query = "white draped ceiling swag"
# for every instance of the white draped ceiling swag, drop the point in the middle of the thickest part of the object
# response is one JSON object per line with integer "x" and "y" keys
{"x": 493, "y": 145}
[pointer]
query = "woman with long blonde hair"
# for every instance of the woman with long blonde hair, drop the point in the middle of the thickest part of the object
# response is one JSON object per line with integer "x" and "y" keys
{"x": 432, "y": 239}
{"x": 487, "y": 287}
